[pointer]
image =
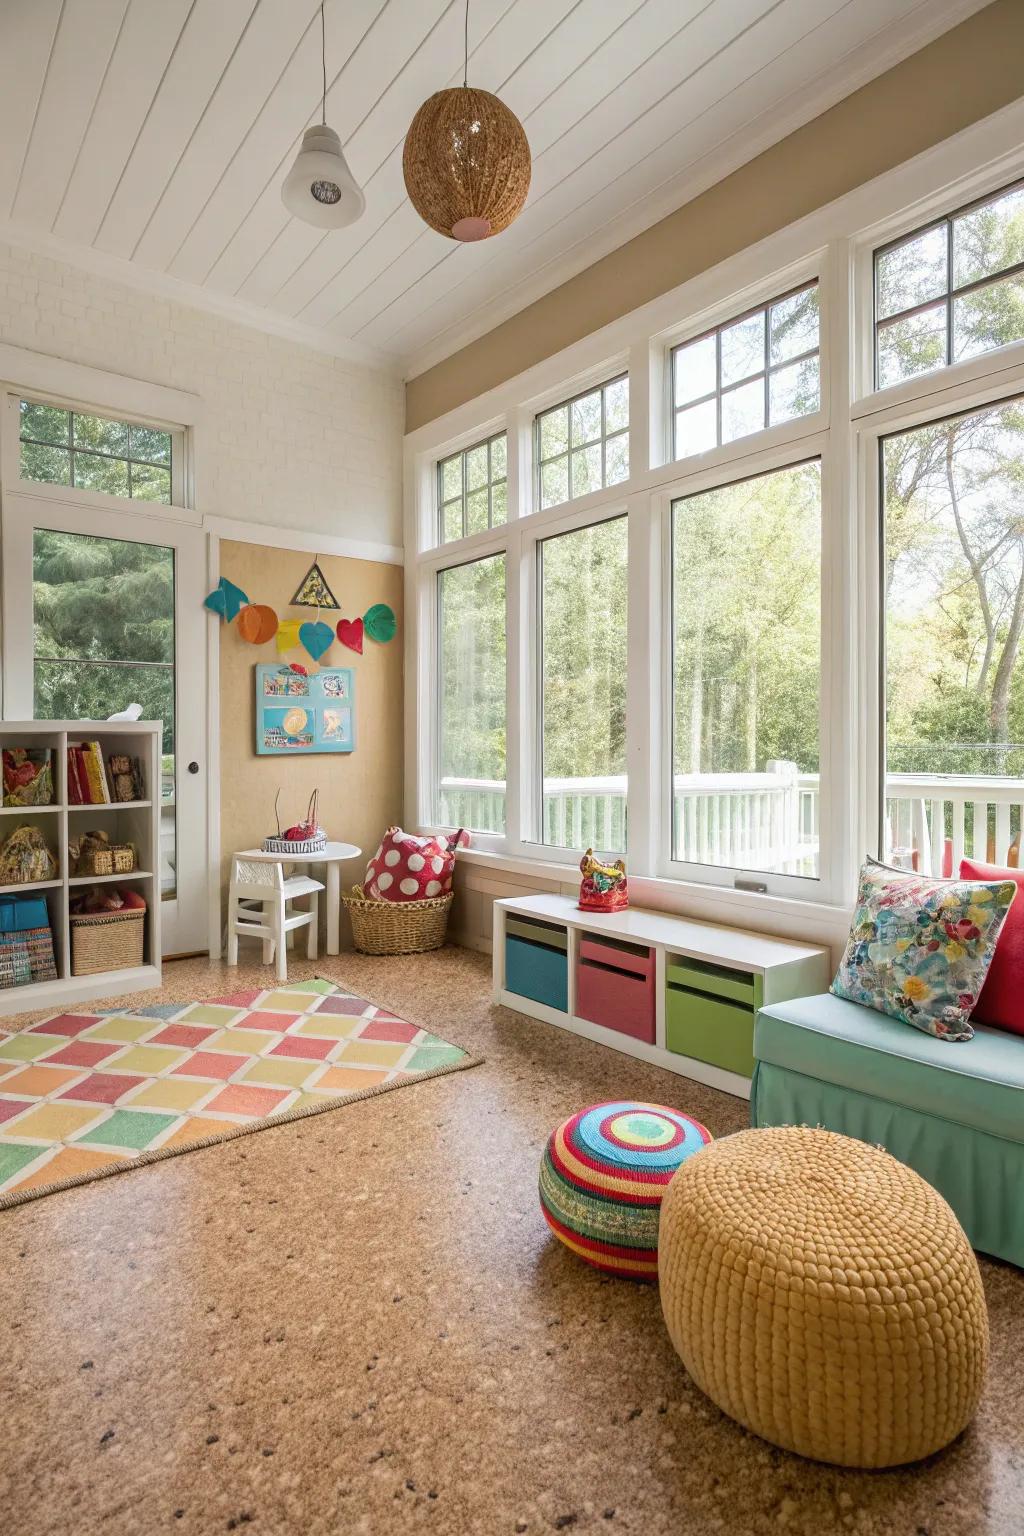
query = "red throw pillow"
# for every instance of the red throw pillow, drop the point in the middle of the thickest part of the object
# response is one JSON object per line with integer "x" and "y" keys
{"x": 1001, "y": 1002}
{"x": 409, "y": 868}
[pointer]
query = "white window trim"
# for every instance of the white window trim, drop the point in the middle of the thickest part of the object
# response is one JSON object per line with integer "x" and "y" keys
{"x": 834, "y": 244}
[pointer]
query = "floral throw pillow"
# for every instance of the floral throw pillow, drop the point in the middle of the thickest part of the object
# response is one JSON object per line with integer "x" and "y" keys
{"x": 920, "y": 947}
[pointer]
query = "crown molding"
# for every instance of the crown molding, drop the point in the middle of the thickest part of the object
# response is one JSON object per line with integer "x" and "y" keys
{"x": 308, "y": 540}
{"x": 863, "y": 64}
{"x": 163, "y": 285}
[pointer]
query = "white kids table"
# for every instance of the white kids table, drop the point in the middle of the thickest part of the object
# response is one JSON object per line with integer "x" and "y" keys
{"x": 332, "y": 857}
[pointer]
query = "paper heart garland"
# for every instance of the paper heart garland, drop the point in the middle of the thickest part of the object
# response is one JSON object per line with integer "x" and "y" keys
{"x": 380, "y": 623}
{"x": 350, "y": 633}
{"x": 257, "y": 623}
{"x": 316, "y": 638}
{"x": 225, "y": 599}
{"x": 288, "y": 635}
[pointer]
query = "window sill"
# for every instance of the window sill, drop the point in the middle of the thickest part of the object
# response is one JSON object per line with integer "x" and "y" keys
{"x": 779, "y": 914}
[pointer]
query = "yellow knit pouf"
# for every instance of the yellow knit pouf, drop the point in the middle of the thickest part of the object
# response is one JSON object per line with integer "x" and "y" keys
{"x": 824, "y": 1295}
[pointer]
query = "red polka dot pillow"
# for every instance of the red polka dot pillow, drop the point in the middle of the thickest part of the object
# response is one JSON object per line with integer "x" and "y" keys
{"x": 409, "y": 868}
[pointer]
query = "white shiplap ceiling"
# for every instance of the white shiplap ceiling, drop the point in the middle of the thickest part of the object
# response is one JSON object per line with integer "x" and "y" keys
{"x": 149, "y": 138}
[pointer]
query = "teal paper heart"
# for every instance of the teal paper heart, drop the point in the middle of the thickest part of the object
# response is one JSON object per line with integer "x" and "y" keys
{"x": 380, "y": 623}
{"x": 226, "y": 599}
{"x": 316, "y": 638}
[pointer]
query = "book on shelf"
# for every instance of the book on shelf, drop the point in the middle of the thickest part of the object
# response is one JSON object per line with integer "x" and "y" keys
{"x": 87, "y": 775}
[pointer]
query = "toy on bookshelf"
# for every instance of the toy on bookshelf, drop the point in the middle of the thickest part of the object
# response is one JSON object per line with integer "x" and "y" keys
{"x": 25, "y": 859}
{"x": 603, "y": 887}
{"x": 94, "y": 854}
{"x": 126, "y": 778}
{"x": 28, "y": 776}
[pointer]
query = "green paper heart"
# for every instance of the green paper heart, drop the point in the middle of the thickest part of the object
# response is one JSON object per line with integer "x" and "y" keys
{"x": 380, "y": 623}
{"x": 316, "y": 638}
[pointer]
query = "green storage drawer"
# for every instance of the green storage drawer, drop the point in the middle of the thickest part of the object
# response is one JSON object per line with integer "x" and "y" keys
{"x": 537, "y": 932}
{"x": 717, "y": 980}
{"x": 712, "y": 1029}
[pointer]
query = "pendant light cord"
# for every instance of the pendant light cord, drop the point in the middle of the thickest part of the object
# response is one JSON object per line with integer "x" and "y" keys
{"x": 465, "y": 67}
{"x": 323, "y": 58}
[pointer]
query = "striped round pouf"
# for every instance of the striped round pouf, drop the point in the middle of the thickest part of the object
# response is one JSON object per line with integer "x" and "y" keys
{"x": 602, "y": 1180}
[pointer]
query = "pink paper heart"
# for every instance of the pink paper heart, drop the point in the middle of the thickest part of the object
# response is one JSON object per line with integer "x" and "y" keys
{"x": 350, "y": 633}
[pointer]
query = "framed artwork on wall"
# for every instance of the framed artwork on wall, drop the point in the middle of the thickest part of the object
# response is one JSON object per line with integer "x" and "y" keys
{"x": 297, "y": 714}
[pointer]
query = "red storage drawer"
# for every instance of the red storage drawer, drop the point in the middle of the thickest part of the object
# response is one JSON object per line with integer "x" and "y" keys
{"x": 615, "y": 987}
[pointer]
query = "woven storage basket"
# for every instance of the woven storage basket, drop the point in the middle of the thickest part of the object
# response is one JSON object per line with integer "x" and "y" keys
{"x": 397, "y": 927}
{"x": 824, "y": 1295}
{"x": 107, "y": 941}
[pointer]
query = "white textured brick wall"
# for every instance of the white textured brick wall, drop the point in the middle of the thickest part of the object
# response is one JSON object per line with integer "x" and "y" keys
{"x": 292, "y": 436}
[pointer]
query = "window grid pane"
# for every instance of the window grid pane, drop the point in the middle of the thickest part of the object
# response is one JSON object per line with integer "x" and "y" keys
{"x": 746, "y": 673}
{"x": 583, "y": 597}
{"x": 472, "y": 489}
{"x": 471, "y": 624}
{"x": 100, "y": 453}
{"x": 724, "y": 382}
{"x": 582, "y": 445}
{"x": 952, "y": 688}
{"x": 950, "y": 291}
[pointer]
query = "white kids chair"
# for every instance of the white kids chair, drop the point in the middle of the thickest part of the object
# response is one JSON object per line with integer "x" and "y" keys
{"x": 258, "y": 900}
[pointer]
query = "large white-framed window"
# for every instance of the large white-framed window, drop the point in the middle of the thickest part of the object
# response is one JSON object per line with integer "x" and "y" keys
{"x": 941, "y": 513}
{"x": 100, "y": 590}
{"x": 745, "y": 677}
{"x": 470, "y": 723}
{"x": 754, "y": 588}
{"x": 581, "y": 637}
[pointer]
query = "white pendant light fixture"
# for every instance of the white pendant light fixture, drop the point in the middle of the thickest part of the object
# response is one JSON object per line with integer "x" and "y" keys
{"x": 320, "y": 188}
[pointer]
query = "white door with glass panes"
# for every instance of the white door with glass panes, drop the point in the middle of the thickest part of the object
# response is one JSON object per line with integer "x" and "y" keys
{"x": 102, "y": 608}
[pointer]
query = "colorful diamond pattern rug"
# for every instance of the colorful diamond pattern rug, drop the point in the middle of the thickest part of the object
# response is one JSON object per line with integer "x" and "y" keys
{"x": 86, "y": 1094}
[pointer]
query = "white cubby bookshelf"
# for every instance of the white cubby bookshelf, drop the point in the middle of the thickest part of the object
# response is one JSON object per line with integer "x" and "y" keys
{"x": 135, "y": 821}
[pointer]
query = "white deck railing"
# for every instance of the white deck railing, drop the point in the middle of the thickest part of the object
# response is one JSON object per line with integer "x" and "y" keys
{"x": 766, "y": 821}
{"x": 935, "y": 820}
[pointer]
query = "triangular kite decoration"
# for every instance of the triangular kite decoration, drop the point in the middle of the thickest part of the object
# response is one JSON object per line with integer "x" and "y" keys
{"x": 226, "y": 599}
{"x": 313, "y": 591}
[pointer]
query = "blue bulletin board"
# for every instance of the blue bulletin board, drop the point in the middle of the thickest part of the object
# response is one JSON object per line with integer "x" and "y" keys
{"x": 297, "y": 714}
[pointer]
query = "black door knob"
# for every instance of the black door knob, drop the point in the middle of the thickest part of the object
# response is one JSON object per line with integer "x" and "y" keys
{"x": 193, "y": 767}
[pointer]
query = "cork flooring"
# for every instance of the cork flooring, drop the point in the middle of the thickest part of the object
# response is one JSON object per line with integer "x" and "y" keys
{"x": 358, "y": 1323}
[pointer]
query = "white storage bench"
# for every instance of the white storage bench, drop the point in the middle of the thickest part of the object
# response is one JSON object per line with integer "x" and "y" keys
{"x": 677, "y": 993}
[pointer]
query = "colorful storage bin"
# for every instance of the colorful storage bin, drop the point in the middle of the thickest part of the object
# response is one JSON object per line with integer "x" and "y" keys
{"x": 18, "y": 913}
{"x": 710, "y": 1012}
{"x": 26, "y": 942}
{"x": 536, "y": 962}
{"x": 615, "y": 986}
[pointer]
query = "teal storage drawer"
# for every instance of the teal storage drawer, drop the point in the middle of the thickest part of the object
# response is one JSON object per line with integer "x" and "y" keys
{"x": 537, "y": 971}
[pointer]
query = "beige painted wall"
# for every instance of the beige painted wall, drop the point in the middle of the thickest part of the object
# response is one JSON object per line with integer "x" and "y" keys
{"x": 360, "y": 791}
{"x": 963, "y": 76}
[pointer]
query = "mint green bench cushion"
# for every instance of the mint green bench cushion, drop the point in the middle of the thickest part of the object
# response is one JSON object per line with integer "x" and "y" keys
{"x": 976, "y": 1083}
{"x": 980, "y": 1175}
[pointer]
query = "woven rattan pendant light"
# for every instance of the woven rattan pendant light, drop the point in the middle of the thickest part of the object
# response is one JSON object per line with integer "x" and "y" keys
{"x": 466, "y": 161}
